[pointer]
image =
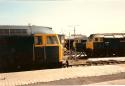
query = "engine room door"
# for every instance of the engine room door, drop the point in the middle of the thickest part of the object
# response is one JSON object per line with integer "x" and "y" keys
{"x": 39, "y": 49}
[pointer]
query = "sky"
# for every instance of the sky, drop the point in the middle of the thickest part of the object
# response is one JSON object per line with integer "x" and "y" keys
{"x": 86, "y": 16}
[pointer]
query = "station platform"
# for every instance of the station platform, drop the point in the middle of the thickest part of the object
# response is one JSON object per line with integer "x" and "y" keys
{"x": 47, "y": 75}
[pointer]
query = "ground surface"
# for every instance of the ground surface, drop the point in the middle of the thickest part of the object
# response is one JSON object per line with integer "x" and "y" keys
{"x": 85, "y": 80}
{"x": 113, "y": 79}
{"x": 82, "y": 75}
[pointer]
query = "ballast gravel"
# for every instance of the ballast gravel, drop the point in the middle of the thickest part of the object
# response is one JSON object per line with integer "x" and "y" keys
{"x": 29, "y": 77}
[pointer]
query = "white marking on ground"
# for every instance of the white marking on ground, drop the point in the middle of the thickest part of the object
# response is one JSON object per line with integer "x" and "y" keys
{"x": 107, "y": 58}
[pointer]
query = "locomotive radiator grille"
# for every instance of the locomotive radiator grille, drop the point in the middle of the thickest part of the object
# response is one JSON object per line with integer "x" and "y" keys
{"x": 7, "y": 32}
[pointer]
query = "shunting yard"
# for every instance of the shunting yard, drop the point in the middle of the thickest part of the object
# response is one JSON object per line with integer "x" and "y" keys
{"x": 82, "y": 44}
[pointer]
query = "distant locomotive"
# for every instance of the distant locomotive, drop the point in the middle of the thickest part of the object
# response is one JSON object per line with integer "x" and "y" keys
{"x": 76, "y": 43}
{"x": 23, "y": 46}
{"x": 99, "y": 45}
{"x": 107, "y": 44}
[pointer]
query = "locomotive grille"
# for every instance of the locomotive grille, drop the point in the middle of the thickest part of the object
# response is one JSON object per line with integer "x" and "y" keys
{"x": 13, "y": 31}
{"x": 4, "y": 32}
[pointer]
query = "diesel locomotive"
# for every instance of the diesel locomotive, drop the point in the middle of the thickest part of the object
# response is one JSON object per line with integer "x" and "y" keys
{"x": 107, "y": 44}
{"x": 75, "y": 42}
{"x": 24, "y": 46}
{"x": 99, "y": 45}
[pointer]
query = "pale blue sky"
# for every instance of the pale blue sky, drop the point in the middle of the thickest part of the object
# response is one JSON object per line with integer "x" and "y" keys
{"x": 89, "y": 16}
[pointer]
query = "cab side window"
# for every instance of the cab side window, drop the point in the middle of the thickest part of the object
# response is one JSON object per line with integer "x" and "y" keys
{"x": 101, "y": 39}
{"x": 96, "y": 39}
{"x": 38, "y": 40}
{"x": 52, "y": 40}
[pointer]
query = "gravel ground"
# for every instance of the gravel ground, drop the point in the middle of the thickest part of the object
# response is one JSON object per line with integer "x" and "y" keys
{"x": 83, "y": 80}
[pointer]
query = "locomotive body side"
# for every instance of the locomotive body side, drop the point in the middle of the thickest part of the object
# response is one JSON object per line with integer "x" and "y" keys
{"x": 101, "y": 45}
{"x": 24, "y": 46}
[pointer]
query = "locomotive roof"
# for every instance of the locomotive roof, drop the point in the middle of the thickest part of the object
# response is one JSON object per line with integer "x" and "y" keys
{"x": 112, "y": 35}
{"x": 24, "y": 30}
{"x": 83, "y": 37}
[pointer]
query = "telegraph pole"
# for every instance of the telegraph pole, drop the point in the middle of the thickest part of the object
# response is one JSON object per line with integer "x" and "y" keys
{"x": 75, "y": 42}
{"x": 74, "y": 31}
{"x": 69, "y": 40}
{"x": 74, "y": 39}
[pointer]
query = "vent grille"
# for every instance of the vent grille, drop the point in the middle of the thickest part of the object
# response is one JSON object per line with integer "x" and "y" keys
{"x": 13, "y": 32}
{"x": 4, "y": 31}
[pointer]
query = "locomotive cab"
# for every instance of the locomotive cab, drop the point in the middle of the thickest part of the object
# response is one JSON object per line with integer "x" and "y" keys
{"x": 48, "y": 49}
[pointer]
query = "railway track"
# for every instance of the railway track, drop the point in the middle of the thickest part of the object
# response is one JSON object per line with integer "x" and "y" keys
{"x": 80, "y": 59}
{"x": 87, "y": 62}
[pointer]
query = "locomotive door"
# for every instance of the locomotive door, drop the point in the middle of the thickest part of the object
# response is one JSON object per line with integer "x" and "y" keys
{"x": 52, "y": 48}
{"x": 39, "y": 56}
